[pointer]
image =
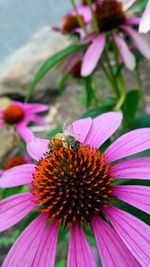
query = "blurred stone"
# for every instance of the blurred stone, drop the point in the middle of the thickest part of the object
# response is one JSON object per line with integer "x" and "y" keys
{"x": 18, "y": 70}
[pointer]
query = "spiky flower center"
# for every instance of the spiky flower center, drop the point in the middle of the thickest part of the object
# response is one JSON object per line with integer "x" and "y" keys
{"x": 110, "y": 14}
{"x": 72, "y": 186}
{"x": 13, "y": 161}
{"x": 13, "y": 114}
{"x": 71, "y": 23}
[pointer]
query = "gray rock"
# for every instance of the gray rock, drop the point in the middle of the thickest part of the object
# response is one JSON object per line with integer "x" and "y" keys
{"x": 18, "y": 70}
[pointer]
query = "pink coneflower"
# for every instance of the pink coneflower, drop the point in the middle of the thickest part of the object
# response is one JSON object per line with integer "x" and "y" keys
{"x": 18, "y": 114}
{"x": 145, "y": 21}
{"x": 73, "y": 185}
{"x": 70, "y": 23}
{"x": 113, "y": 19}
{"x": 14, "y": 161}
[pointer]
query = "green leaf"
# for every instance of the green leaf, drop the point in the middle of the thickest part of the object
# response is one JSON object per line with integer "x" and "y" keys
{"x": 108, "y": 104}
{"x": 62, "y": 83}
{"x": 89, "y": 90}
{"x": 142, "y": 121}
{"x": 50, "y": 63}
{"x": 54, "y": 132}
{"x": 131, "y": 104}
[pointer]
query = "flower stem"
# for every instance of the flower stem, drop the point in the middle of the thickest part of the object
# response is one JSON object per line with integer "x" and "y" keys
{"x": 81, "y": 23}
{"x": 139, "y": 82}
{"x": 95, "y": 23}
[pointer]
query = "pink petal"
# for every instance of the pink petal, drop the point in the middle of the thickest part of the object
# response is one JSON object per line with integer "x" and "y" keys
{"x": 129, "y": 144}
{"x": 134, "y": 233}
{"x": 37, "y": 119}
{"x": 138, "y": 168}
{"x": 124, "y": 52}
{"x": 102, "y": 128}
{"x": 80, "y": 129}
{"x": 140, "y": 42}
{"x": 148, "y": 110}
{"x": 135, "y": 195}
{"x": 145, "y": 21}
{"x": 133, "y": 21}
{"x": 37, "y": 148}
{"x": 83, "y": 11}
{"x": 45, "y": 256}
{"x": 24, "y": 131}
{"x": 24, "y": 251}
{"x": 35, "y": 108}
{"x": 93, "y": 55}
{"x": 15, "y": 208}
{"x": 80, "y": 252}
{"x": 18, "y": 175}
{"x": 71, "y": 61}
{"x": 1, "y": 172}
{"x": 112, "y": 250}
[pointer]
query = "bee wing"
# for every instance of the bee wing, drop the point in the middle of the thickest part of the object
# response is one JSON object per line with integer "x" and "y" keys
{"x": 69, "y": 127}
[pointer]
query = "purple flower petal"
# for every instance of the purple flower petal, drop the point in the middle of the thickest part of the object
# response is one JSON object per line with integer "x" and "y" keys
{"x": 45, "y": 256}
{"x": 112, "y": 250}
{"x": 37, "y": 148}
{"x": 80, "y": 252}
{"x": 102, "y": 128}
{"x": 80, "y": 129}
{"x": 37, "y": 119}
{"x": 24, "y": 131}
{"x": 145, "y": 21}
{"x": 138, "y": 168}
{"x": 35, "y": 108}
{"x": 125, "y": 52}
{"x": 134, "y": 233}
{"x": 129, "y": 144}
{"x": 140, "y": 42}
{"x": 135, "y": 195}
{"x": 25, "y": 248}
{"x": 18, "y": 175}
{"x": 133, "y": 21}
{"x": 15, "y": 208}
{"x": 93, "y": 55}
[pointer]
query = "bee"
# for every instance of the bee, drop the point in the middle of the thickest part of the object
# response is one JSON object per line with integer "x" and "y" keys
{"x": 62, "y": 140}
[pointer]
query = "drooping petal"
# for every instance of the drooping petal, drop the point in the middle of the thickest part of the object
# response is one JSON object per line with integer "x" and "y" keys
{"x": 134, "y": 233}
{"x": 133, "y": 21}
{"x": 102, "y": 128}
{"x": 140, "y": 41}
{"x": 23, "y": 252}
{"x": 1, "y": 172}
{"x": 80, "y": 128}
{"x": 124, "y": 52}
{"x": 24, "y": 131}
{"x": 147, "y": 110}
{"x": 80, "y": 252}
{"x": 45, "y": 256}
{"x": 15, "y": 208}
{"x": 19, "y": 175}
{"x": 37, "y": 119}
{"x": 35, "y": 108}
{"x": 83, "y": 11}
{"x": 145, "y": 21}
{"x": 135, "y": 195}
{"x": 129, "y": 144}
{"x": 37, "y": 148}
{"x": 93, "y": 55}
{"x": 112, "y": 250}
{"x": 138, "y": 168}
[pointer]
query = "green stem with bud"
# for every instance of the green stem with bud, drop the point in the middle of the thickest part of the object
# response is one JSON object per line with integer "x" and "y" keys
{"x": 81, "y": 23}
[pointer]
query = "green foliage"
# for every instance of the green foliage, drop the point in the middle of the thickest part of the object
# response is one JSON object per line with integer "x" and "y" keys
{"x": 50, "y": 63}
{"x": 130, "y": 105}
